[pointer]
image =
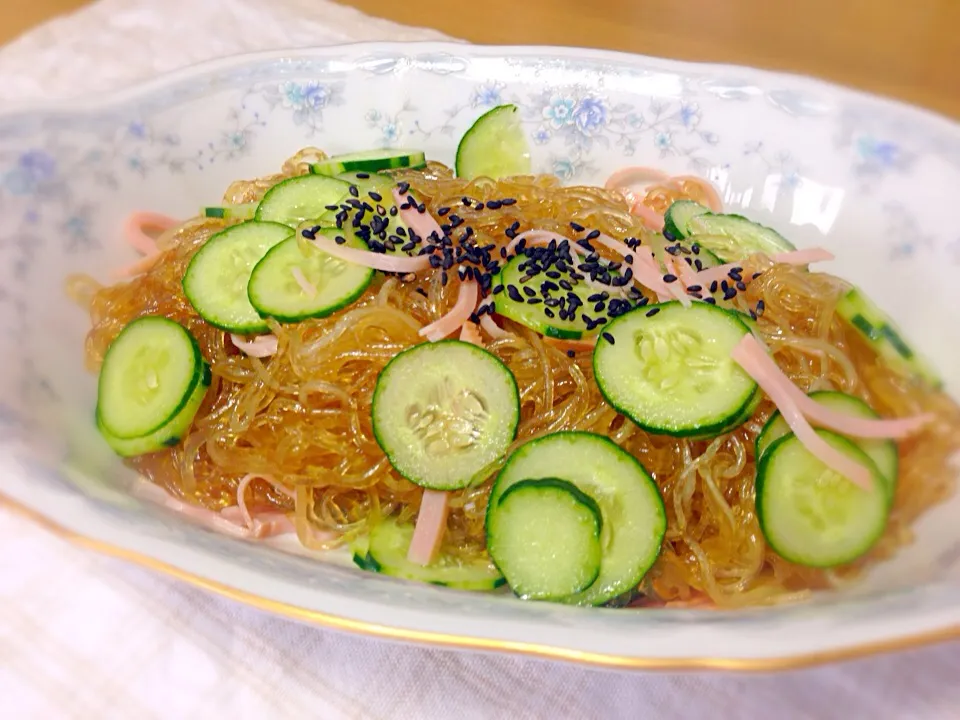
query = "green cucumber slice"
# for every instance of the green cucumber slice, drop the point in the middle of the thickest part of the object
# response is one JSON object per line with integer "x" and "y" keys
{"x": 148, "y": 375}
{"x": 443, "y": 412}
{"x": 633, "y": 516}
{"x": 387, "y": 553}
{"x": 217, "y": 277}
{"x": 733, "y": 238}
{"x": 370, "y": 161}
{"x": 544, "y": 535}
{"x": 883, "y": 453}
{"x": 532, "y": 311}
{"x": 677, "y": 218}
{"x": 298, "y": 199}
{"x": 169, "y": 434}
{"x": 244, "y": 211}
{"x": 812, "y": 515}
{"x": 275, "y": 291}
{"x": 669, "y": 369}
{"x": 494, "y": 146}
{"x": 883, "y": 335}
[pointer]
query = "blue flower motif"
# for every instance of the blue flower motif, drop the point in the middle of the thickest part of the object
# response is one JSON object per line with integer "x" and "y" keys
{"x": 541, "y": 136}
{"x": 76, "y": 226}
{"x": 137, "y": 129}
{"x": 590, "y": 115}
{"x": 372, "y": 116}
{"x": 635, "y": 121}
{"x": 663, "y": 141}
{"x": 689, "y": 115}
{"x": 487, "y": 95}
{"x": 563, "y": 168}
{"x": 559, "y": 112}
{"x": 33, "y": 168}
{"x": 304, "y": 96}
{"x": 883, "y": 153}
{"x": 391, "y": 132}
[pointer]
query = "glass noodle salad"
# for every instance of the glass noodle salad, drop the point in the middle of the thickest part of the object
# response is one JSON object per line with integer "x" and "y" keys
{"x": 476, "y": 377}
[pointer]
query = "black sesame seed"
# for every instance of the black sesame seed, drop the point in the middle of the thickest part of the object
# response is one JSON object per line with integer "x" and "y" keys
{"x": 592, "y": 235}
{"x": 467, "y": 202}
{"x": 713, "y": 286}
{"x": 508, "y": 201}
{"x": 354, "y": 191}
{"x": 755, "y": 276}
{"x": 761, "y": 306}
{"x": 673, "y": 249}
{"x": 498, "y": 289}
{"x": 547, "y": 287}
{"x": 403, "y": 187}
{"x": 332, "y": 207}
{"x": 534, "y": 301}
{"x": 753, "y": 315}
{"x": 340, "y": 240}
{"x": 381, "y": 210}
{"x": 669, "y": 235}
{"x": 600, "y": 307}
{"x": 698, "y": 264}
{"x": 375, "y": 196}
{"x": 696, "y": 248}
{"x": 553, "y": 274}
{"x": 734, "y": 275}
{"x": 564, "y": 284}
{"x": 393, "y": 211}
{"x": 628, "y": 259}
{"x": 730, "y": 294}
{"x": 443, "y": 211}
{"x": 310, "y": 234}
{"x": 608, "y": 337}
{"x": 514, "y": 293}
{"x": 408, "y": 246}
{"x": 491, "y": 205}
{"x": 570, "y": 353}
{"x": 443, "y": 278}
{"x": 741, "y": 287}
{"x": 643, "y": 301}
{"x": 422, "y": 291}
{"x": 668, "y": 278}
{"x": 652, "y": 311}
{"x": 529, "y": 291}
{"x": 548, "y": 312}
{"x": 577, "y": 227}
{"x": 435, "y": 261}
{"x": 694, "y": 288}
{"x": 596, "y": 297}
{"x": 724, "y": 285}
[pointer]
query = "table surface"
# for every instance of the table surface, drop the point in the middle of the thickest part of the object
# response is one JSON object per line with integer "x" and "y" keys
{"x": 906, "y": 50}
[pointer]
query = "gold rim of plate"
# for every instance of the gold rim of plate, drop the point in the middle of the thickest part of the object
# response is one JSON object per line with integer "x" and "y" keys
{"x": 462, "y": 642}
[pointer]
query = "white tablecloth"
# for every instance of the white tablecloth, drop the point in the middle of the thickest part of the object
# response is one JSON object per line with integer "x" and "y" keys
{"x": 90, "y": 637}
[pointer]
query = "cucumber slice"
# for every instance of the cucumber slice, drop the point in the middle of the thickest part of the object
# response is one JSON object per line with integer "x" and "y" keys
{"x": 444, "y": 411}
{"x": 812, "y": 515}
{"x": 733, "y": 238}
{"x": 275, "y": 291}
{"x": 544, "y": 535}
{"x": 885, "y": 337}
{"x": 167, "y": 436}
{"x": 883, "y": 453}
{"x": 494, "y": 146}
{"x": 387, "y": 553}
{"x": 370, "y": 161}
{"x": 677, "y": 218}
{"x": 541, "y": 311}
{"x": 669, "y": 369}
{"x": 298, "y": 199}
{"x": 217, "y": 277}
{"x": 149, "y": 377}
{"x": 633, "y": 516}
{"x": 244, "y": 211}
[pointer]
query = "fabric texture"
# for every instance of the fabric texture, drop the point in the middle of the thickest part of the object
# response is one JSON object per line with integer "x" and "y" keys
{"x": 84, "y": 636}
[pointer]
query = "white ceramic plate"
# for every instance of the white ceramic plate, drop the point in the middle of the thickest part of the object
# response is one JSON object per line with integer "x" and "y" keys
{"x": 868, "y": 178}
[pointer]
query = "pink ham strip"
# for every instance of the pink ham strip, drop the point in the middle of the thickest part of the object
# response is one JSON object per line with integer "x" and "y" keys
{"x": 647, "y": 274}
{"x": 242, "y": 486}
{"x": 422, "y": 223}
{"x": 627, "y": 177}
{"x": 377, "y": 261}
{"x": 466, "y": 303}
{"x": 542, "y": 237}
{"x": 491, "y": 328}
{"x": 823, "y": 416}
{"x": 135, "y": 224}
{"x": 753, "y": 359}
{"x": 220, "y": 522}
{"x": 794, "y": 257}
{"x": 431, "y": 524}
{"x": 309, "y": 289}
{"x": 711, "y": 195}
{"x": 260, "y": 347}
{"x": 651, "y": 218}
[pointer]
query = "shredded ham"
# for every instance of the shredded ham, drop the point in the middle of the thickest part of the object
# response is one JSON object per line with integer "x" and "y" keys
{"x": 822, "y": 416}
{"x": 466, "y": 303}
{"x": 651, "y": 218}
{"x": 260, "y": 347}
{"x": 491, "y": 328}
{"x": 588, "y": 343}
{"x": 646, "y": 274}
{"x": 377, "y": 261}
{"x": 794, "y": 257}
{"x": 134, "y": 228}
{"x": 229, "y": 521}
{"x": 711, "y": 196}
{"x": 309, "y": 289}
{"x": 422, "y": 223}
{"x": 751, "y": 356}
{"x": 470, "y": 333}
{"x": 431, "y": 524}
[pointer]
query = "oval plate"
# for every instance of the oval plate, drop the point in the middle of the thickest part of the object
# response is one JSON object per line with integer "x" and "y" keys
{"x": 829, "y": 166}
